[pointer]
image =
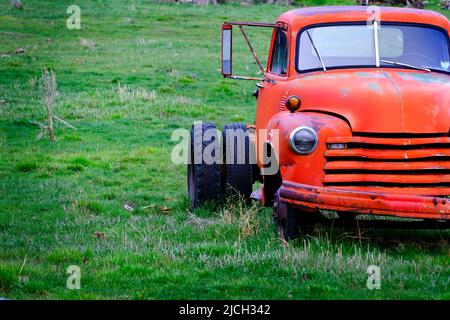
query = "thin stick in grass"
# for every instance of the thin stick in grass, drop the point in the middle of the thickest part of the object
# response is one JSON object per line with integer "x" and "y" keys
{"x": 48, "y": 92}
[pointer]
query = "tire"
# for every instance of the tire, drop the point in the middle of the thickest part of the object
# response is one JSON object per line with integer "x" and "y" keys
{"x": 237, "y": 176}
{"x": 203, "y": 179}
{"x": 290, "y": 223}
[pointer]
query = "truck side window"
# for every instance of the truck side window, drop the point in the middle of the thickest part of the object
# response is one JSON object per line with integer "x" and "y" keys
{"x": 279, "y": 55}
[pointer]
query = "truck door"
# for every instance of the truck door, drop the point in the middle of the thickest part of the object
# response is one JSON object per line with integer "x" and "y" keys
{"x": 272, "y": 91}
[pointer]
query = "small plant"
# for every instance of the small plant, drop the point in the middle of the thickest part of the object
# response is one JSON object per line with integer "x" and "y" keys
{"x": 48, "y": 92}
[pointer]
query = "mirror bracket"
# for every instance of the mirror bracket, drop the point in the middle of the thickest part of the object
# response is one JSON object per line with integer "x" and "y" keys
{"x": 227, "y": 48}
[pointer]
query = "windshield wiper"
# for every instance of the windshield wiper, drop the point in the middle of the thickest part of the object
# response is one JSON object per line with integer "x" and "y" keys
{"x": 405, "y": 65}
{"x": 317, "y": 51}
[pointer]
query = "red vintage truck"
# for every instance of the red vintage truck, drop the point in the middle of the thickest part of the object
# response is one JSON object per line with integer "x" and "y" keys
{"x": 359, "y": 102}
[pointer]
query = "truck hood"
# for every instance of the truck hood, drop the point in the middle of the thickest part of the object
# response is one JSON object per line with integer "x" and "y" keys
{"x": 379, "y": 101}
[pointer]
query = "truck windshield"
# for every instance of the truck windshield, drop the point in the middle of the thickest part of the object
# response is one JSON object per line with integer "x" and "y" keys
{"x": 402, "y": 46}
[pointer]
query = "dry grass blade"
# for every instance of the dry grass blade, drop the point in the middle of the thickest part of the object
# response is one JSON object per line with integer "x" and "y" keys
{"x": 236, "y": 210}
{"x": 64, "y": 122}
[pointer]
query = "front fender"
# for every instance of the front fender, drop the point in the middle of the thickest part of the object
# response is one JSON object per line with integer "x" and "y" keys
{"x": 294, "y": 167}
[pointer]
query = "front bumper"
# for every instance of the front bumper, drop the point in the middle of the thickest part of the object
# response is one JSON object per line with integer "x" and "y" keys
{"x": 364, "y": 202}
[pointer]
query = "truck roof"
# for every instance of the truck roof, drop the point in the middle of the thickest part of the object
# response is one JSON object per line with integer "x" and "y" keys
{"x": 299, "y": 18}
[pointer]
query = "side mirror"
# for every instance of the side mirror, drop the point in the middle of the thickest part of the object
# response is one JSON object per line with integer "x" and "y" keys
{"x": 227, "y": 46}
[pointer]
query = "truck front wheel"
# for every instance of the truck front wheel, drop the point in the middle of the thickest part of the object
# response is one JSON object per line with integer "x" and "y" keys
{"x": 289, "y": 222}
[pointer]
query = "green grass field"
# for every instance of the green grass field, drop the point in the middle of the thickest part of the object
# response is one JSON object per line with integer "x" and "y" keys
{"x": 135, "y": 72}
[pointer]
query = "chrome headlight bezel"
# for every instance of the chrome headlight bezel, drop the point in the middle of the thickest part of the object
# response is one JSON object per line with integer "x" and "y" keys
{"x": 294, "y": 147}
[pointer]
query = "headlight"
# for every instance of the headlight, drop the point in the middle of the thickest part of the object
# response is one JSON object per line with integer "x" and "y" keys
{"x": 303, "y": 140}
